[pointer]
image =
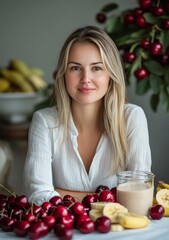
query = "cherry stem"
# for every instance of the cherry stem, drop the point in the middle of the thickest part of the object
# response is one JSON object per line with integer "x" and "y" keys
{"x": 134, "y": 46}
{"x": 12, "y": 193}
{"x": 158, "y": 3}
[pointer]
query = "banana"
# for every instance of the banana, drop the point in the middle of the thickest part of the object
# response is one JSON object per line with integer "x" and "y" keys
{"x": 37, "y": 82}
{"x": 166, "y": 212}
{"x": 36, "y": 71}
{"x": 17, "y": 79}
{"x": 133, "y": 221}
{"x": 115, "y": 227}
{"x": 163, "y": 185}
{"x": 98, "y": 205}
{"x": 4, "y": 85}
{"x": 95, "y": 214}
{"x": 112, "y": 210}
{"x": 20, "y": 67}
{"x": 162, "y": 197}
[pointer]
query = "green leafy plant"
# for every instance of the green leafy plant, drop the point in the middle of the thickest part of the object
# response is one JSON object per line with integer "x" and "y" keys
{"x": 142, "y": 36}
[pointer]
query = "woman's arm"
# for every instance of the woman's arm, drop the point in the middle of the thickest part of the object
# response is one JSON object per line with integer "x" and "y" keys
{"x": 77, "y": 195}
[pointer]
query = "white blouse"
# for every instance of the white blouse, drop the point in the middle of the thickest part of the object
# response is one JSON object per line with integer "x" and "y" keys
{"x": 51, "y": 164}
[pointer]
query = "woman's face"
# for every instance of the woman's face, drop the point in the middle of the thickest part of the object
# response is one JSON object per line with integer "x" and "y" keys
{"x": 86, "y": 78}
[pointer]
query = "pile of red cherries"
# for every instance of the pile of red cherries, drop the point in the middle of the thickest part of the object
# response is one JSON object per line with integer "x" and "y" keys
{"x": 60, "y": 216}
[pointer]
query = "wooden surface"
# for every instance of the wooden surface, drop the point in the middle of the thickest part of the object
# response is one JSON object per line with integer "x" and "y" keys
{"x": 10, "y": 131}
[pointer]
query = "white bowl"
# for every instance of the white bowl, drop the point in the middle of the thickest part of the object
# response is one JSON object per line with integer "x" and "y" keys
{"x": 18, "y": 107}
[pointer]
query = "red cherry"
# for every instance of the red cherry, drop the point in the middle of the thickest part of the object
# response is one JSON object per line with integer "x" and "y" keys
{"x": 3, "y": 203}
{"x": 81, "y": 218}
{"x": 67, "y": 221}
{"x": 114, "y": 191}
{"x": 101, "y": 17}
{"x": 62, "y": 232}
{"x": 29, "y": 217}
{"x": 21, "y": 228}
{"x": 77, "y": 208}
{"x": 16, "y": 213}
{"x": 87, "y": 200}
{"x": 141, "y": 21}
{"x": 7, "y": 224}
{"x": 129, "y": 57}
{"x": 37, "y": 230}
{"x": 158, "y": 11}
{"x": 137, "y": 11}
{"x": 156, "y": 48}
{"x": 145, "y": 4}
{"x": 129, "y": 18}
{"x": 141, "y": 73}
{"x": 144, "y": 43}
{"x": 165, "y": 24}
{"x": 156, "y": 212}
{"x": 103, "y": 224}
{"x": 36, "y": 209}
{"x": 101, "y": 188}
{"x": 60, "y": 211}
{"x": 68, "y": 198}
{"x": 46, "y": 206}
{"x": 106, "y": 196}
{"x": 87, "y": 226}
{"x": 42, "y": 213}
{"x": 56, "y": 200}
{"x": 20, "y": 201}
{"x": 49, "y": 221}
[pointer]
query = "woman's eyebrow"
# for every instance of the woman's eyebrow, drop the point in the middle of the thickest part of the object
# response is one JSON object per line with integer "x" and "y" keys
{"x": 94, "y": 63}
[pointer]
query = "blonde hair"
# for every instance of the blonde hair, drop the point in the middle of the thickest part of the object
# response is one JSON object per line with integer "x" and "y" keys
{"x": 112, "y": 116}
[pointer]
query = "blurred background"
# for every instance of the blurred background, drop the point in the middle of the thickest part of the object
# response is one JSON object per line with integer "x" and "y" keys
{"x": 34, "y": 32}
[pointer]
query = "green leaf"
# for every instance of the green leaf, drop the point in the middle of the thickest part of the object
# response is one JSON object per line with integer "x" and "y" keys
{"x": 164, "y": 39}
{"x": 142, "y": 86}
{"x": 167, "y": 88}
{"x": 166, "y": 74}
{"x": 154, "y": 67}
{"x": 113, "y": 24}
{"x": 164, "y": 97}
{"x": 154, "y": 102}
{"x": 109, "y": 7}
{"x": 150, "y": 18}
{"x": 132, "y": 37}
{"x": 155, "y": 83}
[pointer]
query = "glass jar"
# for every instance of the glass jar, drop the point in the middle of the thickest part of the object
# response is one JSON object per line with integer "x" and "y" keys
{"x": 135, "y": 190}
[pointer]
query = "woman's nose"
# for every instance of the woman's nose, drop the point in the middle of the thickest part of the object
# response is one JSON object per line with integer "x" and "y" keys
{"x": 85, "y": 77}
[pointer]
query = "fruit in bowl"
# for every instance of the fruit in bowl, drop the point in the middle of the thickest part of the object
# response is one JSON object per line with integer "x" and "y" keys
{"x": 21, "y": 89}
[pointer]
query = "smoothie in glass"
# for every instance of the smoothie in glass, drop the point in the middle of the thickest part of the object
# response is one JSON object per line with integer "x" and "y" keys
{"x": 135, "y": 191}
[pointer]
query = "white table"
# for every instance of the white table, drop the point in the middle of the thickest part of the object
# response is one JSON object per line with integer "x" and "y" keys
{"x": 158, "y": 229}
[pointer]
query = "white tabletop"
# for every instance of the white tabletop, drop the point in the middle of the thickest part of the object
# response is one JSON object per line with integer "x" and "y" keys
{"x": 158, "y": 229}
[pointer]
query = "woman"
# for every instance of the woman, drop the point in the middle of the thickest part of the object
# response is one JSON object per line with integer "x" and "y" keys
{"x": 91, "y": 133}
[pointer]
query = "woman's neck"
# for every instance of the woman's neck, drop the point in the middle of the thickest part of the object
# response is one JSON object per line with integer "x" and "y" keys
{"x": 86, "y": 117}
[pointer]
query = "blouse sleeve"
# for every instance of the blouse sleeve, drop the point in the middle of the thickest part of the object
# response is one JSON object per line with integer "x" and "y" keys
{"x": 37, "y": 176}
{"x": 139, "y": 153}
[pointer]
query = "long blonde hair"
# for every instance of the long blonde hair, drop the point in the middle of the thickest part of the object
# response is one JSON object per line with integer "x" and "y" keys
{"x": 112, "y": 117}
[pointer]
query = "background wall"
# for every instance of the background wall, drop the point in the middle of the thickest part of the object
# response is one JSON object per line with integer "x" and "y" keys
{"x": 34, "y": 31}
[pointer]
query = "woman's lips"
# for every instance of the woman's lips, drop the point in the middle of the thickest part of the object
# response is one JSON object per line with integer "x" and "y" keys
{"x": 86, "y": 90}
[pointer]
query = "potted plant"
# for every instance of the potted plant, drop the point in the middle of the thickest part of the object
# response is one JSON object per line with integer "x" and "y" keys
{"x": 142, "y": 36}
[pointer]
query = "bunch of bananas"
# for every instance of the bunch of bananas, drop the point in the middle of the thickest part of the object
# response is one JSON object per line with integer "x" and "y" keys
{"x": 120, "y": 217}
{"x": 19, "y": 77}
{"x": 162, "y": 196}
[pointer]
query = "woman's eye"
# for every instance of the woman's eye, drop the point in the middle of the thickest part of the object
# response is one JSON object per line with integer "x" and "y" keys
{"x": 75, "y": 68}
{"x": 97, "y": 68}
